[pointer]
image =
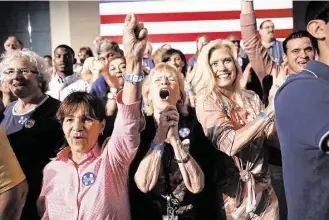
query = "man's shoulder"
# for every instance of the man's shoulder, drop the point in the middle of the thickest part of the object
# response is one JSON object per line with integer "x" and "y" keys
{"x": 295, "y": 81}
{"x": 298, "y": 90}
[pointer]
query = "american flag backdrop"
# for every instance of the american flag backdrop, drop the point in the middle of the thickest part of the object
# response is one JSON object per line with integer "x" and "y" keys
{"x": 180, "y": 22}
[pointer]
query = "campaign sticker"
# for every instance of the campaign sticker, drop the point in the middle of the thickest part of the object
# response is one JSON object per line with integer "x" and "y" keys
{"x": 88, "y": 179}
{"x": 29, "y": 123}
{"x": 184, "y": 132}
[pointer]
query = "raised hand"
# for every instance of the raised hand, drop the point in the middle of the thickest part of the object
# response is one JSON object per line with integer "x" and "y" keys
{"x": 246, "y": 76}
{"x": 278, "y": 80}
{"x": 134, "y": 38}
{"x": 168, "y": 120}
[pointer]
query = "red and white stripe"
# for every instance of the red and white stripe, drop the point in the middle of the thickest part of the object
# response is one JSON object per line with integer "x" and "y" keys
{"x": 180, "y": 22}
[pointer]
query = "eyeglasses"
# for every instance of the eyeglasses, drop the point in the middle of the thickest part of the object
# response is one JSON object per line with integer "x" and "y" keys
{"x": 235, "y": 41}
{"x": 23, "y": 71}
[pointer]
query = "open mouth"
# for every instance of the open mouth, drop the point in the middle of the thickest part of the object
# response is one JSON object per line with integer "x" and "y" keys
{"x": 164, "y": 94}
{"x": 224, "y": 75}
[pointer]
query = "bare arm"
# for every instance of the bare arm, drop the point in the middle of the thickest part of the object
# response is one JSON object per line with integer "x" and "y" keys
{"x": 148, "y": 170}
{"x": 258, "y": 55}
{"x": 13, "y": 201}
{"x": 129, "y": 121}
{"x": 147, "y": 173}
{"x": 192, "y": 174}
{"x": 249, "y": 132}
{"x": 221, "y": 131}
{"x": 134, "y": 41}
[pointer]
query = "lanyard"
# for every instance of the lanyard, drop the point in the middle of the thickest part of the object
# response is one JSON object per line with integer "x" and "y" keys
{"x": 171, "y": 199}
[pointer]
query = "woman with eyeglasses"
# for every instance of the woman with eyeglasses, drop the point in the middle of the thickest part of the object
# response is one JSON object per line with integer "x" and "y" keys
{"x": 30, "y": 123}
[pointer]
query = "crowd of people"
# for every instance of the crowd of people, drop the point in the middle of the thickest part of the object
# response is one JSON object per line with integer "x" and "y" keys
{"x": 234, "y": 132}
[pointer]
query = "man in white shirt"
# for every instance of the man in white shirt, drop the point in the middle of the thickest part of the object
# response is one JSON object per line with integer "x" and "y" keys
{"x": 65, "y": 81}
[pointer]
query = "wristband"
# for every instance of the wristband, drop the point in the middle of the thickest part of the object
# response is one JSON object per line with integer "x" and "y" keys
{"x": 265, "y": 117}
{"x": 158, "y": 147}
{"x": 132, "y": 78}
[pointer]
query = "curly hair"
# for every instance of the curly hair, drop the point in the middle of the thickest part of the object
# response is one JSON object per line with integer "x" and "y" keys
{"x": 34, "y": 59}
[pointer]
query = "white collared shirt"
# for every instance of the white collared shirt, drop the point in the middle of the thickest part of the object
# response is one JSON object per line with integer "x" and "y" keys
{"x": 59, "y": 87}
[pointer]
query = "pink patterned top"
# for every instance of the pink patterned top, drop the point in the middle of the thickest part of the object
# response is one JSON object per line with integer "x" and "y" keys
{"x": 96, "y": 189}
{"x": 220, "y": 126}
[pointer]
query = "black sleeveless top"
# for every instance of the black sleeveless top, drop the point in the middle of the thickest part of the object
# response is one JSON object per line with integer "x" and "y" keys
{"x": 190, "y": 206}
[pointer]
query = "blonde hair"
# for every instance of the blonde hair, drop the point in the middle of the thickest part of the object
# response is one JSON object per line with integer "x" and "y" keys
{"x": 203, "y": 80}
{"x": 157, "y": 55}
{"x": 163, "y": 67}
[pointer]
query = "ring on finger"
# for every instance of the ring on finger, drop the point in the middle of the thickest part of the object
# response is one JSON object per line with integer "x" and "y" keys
{"x": 168, "y": 118}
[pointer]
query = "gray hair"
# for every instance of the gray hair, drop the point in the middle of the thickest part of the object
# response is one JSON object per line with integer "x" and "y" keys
{"x": 44, "y": 73}
{"x": 106, "y": 45}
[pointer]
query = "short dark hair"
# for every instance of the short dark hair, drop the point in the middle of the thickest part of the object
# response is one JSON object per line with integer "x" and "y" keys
{"x": 295, "y": 35}
{"x": 88, "y": 51}
{"x": 81, "y": 100}
{"x": 317, "y": 10}
{"x": 261, "y": 24}
{"x": 47, "y": 56}
{"x": 65, "y": 47}
{"x": 166, "y": 56}
{"x": 106, "y": 45}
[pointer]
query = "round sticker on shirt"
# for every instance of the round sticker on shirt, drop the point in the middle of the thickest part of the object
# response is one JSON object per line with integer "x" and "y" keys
{"x": 88, "y": 179}
{"x": 184, "y": 132}
{"x": 29, "y": 123}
